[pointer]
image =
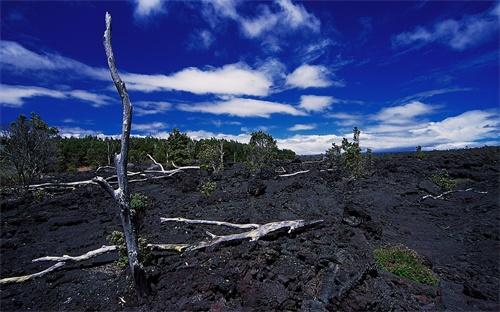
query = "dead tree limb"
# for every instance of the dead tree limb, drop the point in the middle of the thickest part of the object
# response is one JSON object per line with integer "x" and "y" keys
{"x": 258, "y": 231}
{"x": 85, "y": 256}
{"x": 176, "y": 247}
{"x": 441, "y": 196}
{"x": 24, "y": 278}
{"x": 156, "y": 163}
{"x": 194, "y": 221}
{"x": 122, "y": 195}
{"x": 293, "y": 174}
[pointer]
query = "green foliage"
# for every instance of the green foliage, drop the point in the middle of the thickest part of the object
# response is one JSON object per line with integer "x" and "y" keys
{"x": 262, "y": 149}
{"x": 211, "y": 154}
{"x": 117, "y": 238}
{"x": 443, "y": 180}
{"x": 39, "y": 195}
{"x": 286, "y": 154}
{"x": 347, "y": 156}
{"x": 419, "y": 153}
{"x": 179, "y": 148}
{"x": 30, "y": 146}
{"x": 208, "y": 188}
{"x": 404, "y": 262}
{"x": 138, "y": 202}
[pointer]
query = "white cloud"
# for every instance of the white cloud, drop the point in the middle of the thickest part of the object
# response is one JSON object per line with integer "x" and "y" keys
{"x": 471, "y": 128}
{"x": 346, "y": 119}
{"x": 77, "y": 132}
{"x": 430, "y": 93}
{"x": 201, "y": 39}
{"x": 143, "y": 108}
{"x": 152, "y": 127}
{"x": 301, "y": 127}
{"x": 457, "y": 34}
{"x": 242, "y": 108}
{"x": 307, "y": 76}
{"x": 403, "y": 114}
{"x": 15, "y": 96}
{"x": 234, "y": 79}
{"x": 17, "y": 58}
{"x": 271, "y": 19}
{"x": 144, "y": 8}
{"x": 315, "y": 103}
{"x": 202, "y": 134}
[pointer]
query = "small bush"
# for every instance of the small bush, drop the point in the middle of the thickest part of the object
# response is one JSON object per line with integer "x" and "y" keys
{"x": 443, "y": 180}
{"x": 39, "y": 195}
{"x": 138, "y": 202}
{"x": 117, "y": 238}
{"x": 404, "y": 262}
{"x": 208, "y": 188}
{"x": 346, "y": 158}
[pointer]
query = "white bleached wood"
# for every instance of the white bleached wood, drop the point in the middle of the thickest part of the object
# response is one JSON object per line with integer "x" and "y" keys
{"x": 85, "y": 256}
{"x": 24, "y": 278}
{"x": 194, "y": 221}
{"x": 293, "y": 174}
{"x": 156, "y": 163}
{"x": 440, "y": 196}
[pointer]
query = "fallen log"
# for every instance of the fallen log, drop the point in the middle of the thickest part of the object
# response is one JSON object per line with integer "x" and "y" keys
{"x": 293, "y": 174}
{"x": 93, "y": 253}
{"x": 24, "y": 278}
{"x": 258, "y": 231}
{"x": 441, "y": 196}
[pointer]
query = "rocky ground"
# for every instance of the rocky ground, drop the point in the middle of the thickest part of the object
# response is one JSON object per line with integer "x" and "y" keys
{"x": 326, "y": 267}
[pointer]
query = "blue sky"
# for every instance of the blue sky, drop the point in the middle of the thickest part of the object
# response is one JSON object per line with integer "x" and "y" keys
{"x": 406, "y": 73}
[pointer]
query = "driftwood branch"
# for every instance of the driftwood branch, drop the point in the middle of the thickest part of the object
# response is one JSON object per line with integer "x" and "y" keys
{"x": 193, "y": 221}
{"x": 156, "y": 163}
{"x": 24, "y": 278}
{"x": 163, "y": 247}
{"x": 85, "y": 256}
{"x": 257, "y": 232}
{"x": 293, "y": 174}
{"x": 441, "y": 196}
{"x": 61, "y": 261}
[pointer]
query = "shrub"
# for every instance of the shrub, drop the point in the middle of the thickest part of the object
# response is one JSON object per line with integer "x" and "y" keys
{"x": 419, "y": 153}
{"x": 404, "y": 262}
{"x": 138, "y": 202}
{"x": 347, "y": 156}
{"x": 208, "y": 188}
{"x": 262, "y": 149}
{"x": 117, "y": 238}
{"x": 443, "y": 180}
{"x": 30, "y": 146}
{"x": 211, "y": 154}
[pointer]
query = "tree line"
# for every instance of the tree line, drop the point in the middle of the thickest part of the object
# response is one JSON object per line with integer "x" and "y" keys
{"x": 30, "y": 148}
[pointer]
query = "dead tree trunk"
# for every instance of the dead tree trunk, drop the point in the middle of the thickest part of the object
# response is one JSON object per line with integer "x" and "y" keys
{"x": 122, "y": 195}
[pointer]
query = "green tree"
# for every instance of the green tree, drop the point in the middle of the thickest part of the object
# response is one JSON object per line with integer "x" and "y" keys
{"x": 262, "y": 149}
{"x": 179, "y": 147}
{"x": 31, "y": 147}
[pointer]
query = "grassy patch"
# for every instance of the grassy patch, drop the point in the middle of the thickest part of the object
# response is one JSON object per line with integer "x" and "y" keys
{"x": 443, "y": 180}
{"x": 208, "y": 187}
{"x": 138, "y": 202}
{"x": 404, "y": 262}
{"x": 117, "y": 238}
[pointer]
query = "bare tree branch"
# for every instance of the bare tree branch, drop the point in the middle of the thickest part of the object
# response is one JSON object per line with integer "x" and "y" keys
{"x": 441, "y": 196}
{"x": 293, "y": 174}
{"x": 85, "y": 256}
{"x": 156, "y": 163}
{"x": 193, "y": 221}
{"x": 24, "y": 278}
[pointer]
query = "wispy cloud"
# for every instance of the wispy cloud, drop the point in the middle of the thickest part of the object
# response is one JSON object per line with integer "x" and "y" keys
{"x": 146, "y": 8}
{"x": 403, "y": 114}
{"x": 458, "y": 34}
{"x": 301, "y": 127}
{"x": 311, "y": 76}
{"x": 77, "y": 132}
{"x": 242, "y": 107}
{"x": 15, "y": 96}
{"x": 144, "y": 108}
{"x": 151, "y": 127}
{"x": 315, "y": 103}
{"x": 430, "y": 93}
{"x": 201, "y": 40}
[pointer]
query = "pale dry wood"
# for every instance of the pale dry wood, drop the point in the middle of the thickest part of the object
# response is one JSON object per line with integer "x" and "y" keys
{"x": 293, "y": 174}
{"x": 440, "y": 196}
{"x": 93, "y": 253}
{"x": 168, "y": 247}
{"x": 194, "y": 221}
{"x": 24, "y": 278}
{"x": 257, "y": 232}
{"x": 156, "y": 163}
